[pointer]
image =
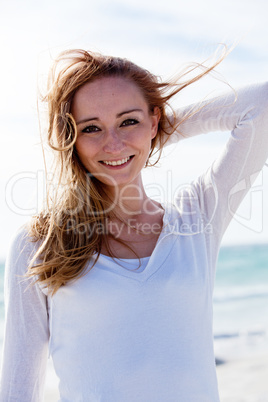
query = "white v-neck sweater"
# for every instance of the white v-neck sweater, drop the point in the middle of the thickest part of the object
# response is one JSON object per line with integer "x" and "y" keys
{"x": 123, "y": 335}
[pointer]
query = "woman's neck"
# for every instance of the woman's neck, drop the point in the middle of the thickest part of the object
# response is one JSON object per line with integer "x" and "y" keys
{"x": 130, "y": 202}
{"x": 134, "y": 228}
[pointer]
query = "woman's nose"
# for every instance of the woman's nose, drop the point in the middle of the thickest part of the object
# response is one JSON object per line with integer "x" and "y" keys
{"x": 113, "y": 142}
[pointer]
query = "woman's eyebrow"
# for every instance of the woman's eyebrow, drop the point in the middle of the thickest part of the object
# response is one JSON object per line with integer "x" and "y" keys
{"x": 129, "y": 111}
{"x": 118, "y": 115}
{"x": 86, "y": 120}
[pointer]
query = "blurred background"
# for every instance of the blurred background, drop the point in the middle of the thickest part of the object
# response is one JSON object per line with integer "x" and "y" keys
{"x": 162, "y": 36}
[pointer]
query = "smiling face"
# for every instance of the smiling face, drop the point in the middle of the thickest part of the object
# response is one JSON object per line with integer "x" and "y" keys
{"x": 115, "y": 129}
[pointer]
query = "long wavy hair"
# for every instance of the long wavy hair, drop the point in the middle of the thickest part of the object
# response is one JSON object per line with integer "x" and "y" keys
{"x": 67, "y": 231}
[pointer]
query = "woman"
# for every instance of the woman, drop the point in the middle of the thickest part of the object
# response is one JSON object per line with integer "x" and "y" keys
{"x": 121, "y": 286}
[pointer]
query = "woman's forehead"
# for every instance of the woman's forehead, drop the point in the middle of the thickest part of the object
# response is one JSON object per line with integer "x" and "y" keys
{"x": 107, "y": 92}
{"x": 104, "y": 85}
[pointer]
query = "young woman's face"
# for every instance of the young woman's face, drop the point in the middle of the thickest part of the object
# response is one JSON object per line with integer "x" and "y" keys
{"x": 115, "y": 130}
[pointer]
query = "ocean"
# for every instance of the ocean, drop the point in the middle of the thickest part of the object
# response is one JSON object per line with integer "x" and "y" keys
{"x": 240, "y": 302}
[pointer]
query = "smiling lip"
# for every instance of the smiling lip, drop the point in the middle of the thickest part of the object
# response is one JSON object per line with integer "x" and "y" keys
{"x": 117, "y": 163}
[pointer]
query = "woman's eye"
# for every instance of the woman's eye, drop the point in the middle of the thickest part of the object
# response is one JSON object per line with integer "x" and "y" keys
{"x": 129, "y": 122}
{"x": 90, "y": 129}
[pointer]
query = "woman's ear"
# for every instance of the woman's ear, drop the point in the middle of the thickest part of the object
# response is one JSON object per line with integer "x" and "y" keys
{"x": 155, "y": 120}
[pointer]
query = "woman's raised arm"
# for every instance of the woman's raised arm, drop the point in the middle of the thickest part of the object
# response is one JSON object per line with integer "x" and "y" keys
{"x": 245, "y": 114}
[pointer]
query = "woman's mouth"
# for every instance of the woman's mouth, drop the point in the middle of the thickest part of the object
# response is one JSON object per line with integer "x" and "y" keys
{"x": 119, "y": 162}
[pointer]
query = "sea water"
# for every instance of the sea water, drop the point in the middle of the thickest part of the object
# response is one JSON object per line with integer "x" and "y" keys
{"x": 240, "y": 301}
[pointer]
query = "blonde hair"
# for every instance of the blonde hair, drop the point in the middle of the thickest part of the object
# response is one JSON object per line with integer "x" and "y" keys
{"x": 66, "y": 228}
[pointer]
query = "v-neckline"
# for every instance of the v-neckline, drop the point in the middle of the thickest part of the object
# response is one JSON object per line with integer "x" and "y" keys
{"x": 155, "y": 261}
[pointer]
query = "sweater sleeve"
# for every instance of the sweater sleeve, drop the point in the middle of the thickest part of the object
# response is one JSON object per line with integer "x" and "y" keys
{"x": 244, "y": 113}
{"x": 25, "y": 351}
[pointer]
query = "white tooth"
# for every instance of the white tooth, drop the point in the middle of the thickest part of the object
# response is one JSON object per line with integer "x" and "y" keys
{"x": 117, "y": 163}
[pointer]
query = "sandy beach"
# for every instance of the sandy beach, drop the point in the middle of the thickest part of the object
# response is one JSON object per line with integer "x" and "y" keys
{"x": 242, "y": 380}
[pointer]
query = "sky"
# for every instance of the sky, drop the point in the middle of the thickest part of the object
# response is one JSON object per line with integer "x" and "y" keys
{"x": 162, "y": 36}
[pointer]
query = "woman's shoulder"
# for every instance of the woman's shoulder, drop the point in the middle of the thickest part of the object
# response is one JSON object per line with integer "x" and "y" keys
{"x": 21, "y": 238}
{"x": 21, "y": 249}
